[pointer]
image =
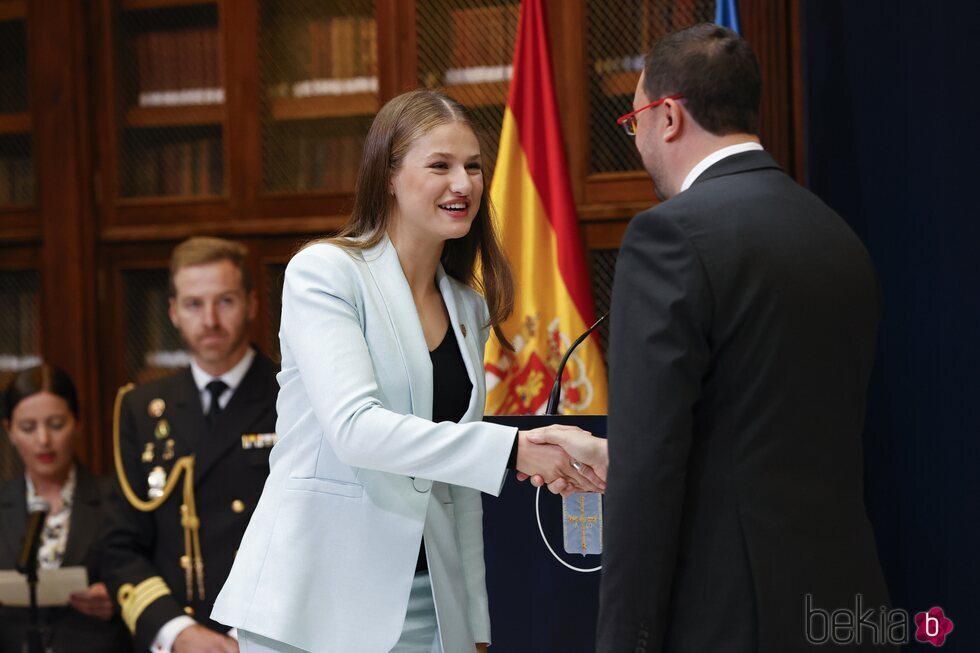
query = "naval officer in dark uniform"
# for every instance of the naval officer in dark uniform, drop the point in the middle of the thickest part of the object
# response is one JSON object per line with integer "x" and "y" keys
{"x": 192, "y": 455}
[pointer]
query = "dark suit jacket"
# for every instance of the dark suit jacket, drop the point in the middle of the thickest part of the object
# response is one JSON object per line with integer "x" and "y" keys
{"x": 228, "y": 479}
{"x": 744, "y": 319}
{"x": 70, "y": 630}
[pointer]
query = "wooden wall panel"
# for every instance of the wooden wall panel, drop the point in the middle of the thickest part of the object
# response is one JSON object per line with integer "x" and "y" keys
{"x": 59, "y": 51}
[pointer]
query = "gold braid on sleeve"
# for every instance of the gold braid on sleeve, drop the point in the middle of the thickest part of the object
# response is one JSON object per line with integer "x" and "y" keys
{"x": 192, "y": 562}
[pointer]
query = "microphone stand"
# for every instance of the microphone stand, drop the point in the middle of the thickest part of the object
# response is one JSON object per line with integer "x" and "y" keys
{"x": 555, "y": 397}
{"x": 34, "y": 644}
{"x": 589, "y": 422}
{"x": 27, "y": 565}
{"x": 552, "y": 409}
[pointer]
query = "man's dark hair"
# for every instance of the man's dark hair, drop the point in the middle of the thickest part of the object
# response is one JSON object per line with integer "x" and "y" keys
{"x": 716, "y": 72}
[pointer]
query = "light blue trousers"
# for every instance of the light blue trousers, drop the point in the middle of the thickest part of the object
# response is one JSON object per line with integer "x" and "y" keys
{"x": 420, "y": 634}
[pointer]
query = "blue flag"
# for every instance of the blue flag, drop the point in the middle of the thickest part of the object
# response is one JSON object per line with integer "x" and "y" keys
{"x": 726, "y": 14}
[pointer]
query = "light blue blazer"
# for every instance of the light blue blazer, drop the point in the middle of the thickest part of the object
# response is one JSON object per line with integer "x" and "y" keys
{"x": 359, "y": 472}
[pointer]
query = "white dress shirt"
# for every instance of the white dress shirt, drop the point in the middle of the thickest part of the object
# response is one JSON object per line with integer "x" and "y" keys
{"x": 168, "y": 633}
{"x": 232, "y": 379}
{"x": 714, "y": 158}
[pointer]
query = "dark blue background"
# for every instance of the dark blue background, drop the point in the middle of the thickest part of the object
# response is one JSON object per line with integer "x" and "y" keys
{"x": 537, "y": 604}
{"x": 892, "y": 144}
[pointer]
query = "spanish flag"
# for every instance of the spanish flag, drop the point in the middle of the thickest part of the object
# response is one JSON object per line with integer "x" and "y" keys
{"x": 538, "y": 228}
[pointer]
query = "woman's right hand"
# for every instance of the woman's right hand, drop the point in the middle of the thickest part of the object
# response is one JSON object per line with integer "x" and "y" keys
{"x": 94, "y": 602}
{"x": 554, "y": 455}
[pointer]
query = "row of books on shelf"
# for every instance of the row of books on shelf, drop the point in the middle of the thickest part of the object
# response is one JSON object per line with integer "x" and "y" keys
{"x": 479, "y": 74}
{"x": 610, "y": 65}
{"x": 16, "y": 181}
{"x": 179, "y": 67}
{"x": 12, "y": 363}
{"x": 316, "y": 162}
{"x": 18, "y": 324}
{"x": 152, "y": 340}
{"x": 13, "y": 81}
{"x": 320, "y": 87}
{"x": 176, "y": 169}
{"x": 172, "y": 359}
{"x": 483, "y": 36}
{"x": 323, "y": 49}
{"x": 157, "y": 364}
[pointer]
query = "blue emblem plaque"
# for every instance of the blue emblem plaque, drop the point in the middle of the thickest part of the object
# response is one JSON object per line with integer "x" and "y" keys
{"x": 582, "y": 523}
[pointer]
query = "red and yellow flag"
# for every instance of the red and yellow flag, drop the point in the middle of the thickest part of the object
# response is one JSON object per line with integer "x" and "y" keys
{"x": 538, "y": 227}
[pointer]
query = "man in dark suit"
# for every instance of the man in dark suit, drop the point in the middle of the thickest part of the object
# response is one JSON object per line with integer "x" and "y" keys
{"x": 744, "y": 316}
{"x": 174, "y": 541}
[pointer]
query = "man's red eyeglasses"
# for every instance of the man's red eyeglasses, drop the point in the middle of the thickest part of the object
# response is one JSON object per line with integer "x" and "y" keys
{"x": 628, "y": 122}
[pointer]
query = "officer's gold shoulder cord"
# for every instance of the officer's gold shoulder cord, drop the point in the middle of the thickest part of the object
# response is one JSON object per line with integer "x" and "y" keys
{"x": 191, "y": 561}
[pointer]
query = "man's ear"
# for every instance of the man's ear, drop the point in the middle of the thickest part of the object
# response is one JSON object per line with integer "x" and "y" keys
{"x": 674, "y": 119}
{"x": 172, "y": 311}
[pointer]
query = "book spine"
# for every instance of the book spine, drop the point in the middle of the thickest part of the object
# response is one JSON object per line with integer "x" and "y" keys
{"x": 169, "y": 53}
{"x": 217, "y": 167}
{"x": 5, "y": 195}
{"x": 313, "y": 61}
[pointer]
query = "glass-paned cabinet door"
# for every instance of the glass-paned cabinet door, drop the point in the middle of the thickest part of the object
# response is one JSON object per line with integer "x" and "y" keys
{"x": 20, "y": 344}
{"x": 171, "y": 99}
{"x": 619, "y": 34}
{"x": 466, "y": 49}
{"x": 319, "y": 86}
{"x": 152, "y": 346}
{"x": 16, "y": 144}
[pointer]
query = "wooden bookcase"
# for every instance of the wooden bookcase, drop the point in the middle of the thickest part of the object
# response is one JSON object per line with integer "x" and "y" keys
{"x": 20, "y": 334}
{"x": 139, "y": 123}
{"x": 46, "y": 212}
{"x": 20, "y": 324}
{"x": 17, "y": 177}
{"x": 163, "y": 112}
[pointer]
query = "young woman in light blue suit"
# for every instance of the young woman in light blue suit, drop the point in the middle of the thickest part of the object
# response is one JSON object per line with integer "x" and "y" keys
{"x": 368, "y": 536}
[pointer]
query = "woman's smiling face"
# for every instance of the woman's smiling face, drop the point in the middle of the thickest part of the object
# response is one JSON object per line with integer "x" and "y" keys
{"x": 438, "y": 187}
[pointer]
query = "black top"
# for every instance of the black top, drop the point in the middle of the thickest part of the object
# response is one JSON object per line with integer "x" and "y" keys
{"x": 451, "y": 390}
{"x": 451, "y": 386}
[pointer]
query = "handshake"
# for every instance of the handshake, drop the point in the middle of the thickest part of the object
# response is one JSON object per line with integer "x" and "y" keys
{"x": 566, "y": 458}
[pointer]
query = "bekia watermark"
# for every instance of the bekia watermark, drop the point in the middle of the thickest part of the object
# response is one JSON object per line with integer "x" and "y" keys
{"x": 880, "y": 625}
{"x": 932, "y": 626}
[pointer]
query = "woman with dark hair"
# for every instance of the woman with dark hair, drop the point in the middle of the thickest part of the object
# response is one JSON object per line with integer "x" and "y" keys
{"x": 369, "y": 532}
{"x": 40, "y": 416}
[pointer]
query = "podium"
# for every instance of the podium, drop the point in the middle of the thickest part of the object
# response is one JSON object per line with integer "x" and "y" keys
{"x": 536, "y": 603}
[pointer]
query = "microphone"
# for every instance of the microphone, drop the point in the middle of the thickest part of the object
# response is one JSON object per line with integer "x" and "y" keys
{"x": 555, "y": 395}
{"x": 37, "y": 513}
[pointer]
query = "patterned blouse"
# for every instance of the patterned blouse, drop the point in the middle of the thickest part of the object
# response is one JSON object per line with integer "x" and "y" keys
{"x": 54, "y": 538}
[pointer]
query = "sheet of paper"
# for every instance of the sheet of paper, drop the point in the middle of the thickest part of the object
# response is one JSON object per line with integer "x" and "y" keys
{"x": 54, "y": 586}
